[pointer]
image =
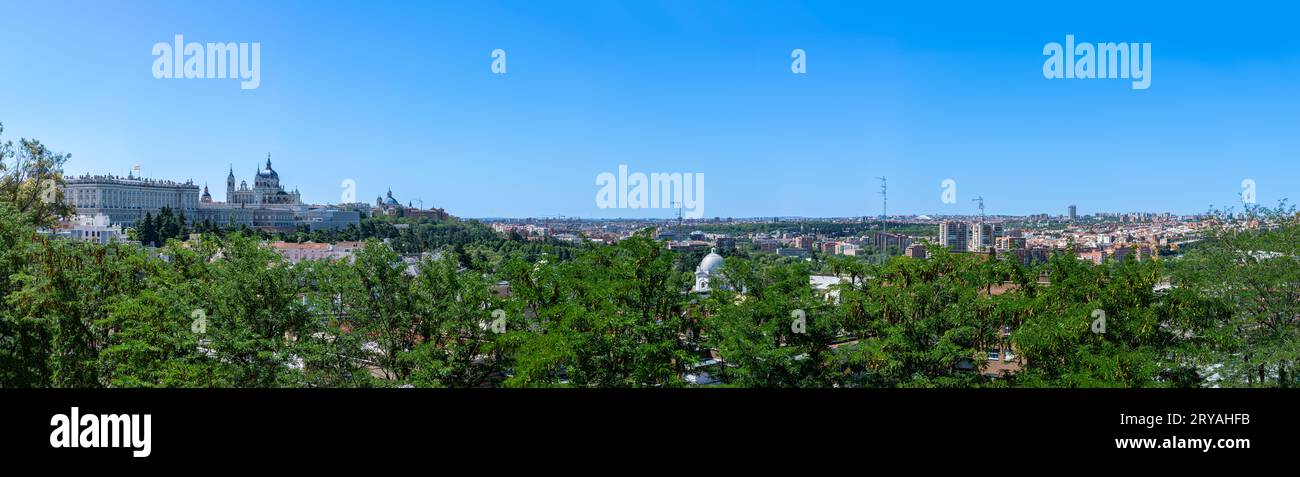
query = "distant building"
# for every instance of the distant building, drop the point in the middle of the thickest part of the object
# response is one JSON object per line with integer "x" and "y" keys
{"x": 804, "y": 242}
{"x": 94, "y": 228}
{"x": 1140, "y": 252}
{"x": 359, "y": 207}
{"x": 984, "y": 236}
{"x": 325, "y": 218}
{"x": 954, "y": 235}
{"x": 278, "y": 220}
{"x": 1074, "y": 212}
{"x": 792, "y": 252}
{"x": 825, "y": 286}
{"x": 1118, "y": 254}
{"x": 886, "y": 241}
{"x": 689, "y": 246}
{"x": 669, "y": 235}
{"x": 438, "y": 214}
{"x": 829, "y": 248}
{"x": 567, "y": 237}
{"x": 1027, "y": 256}
{"x": 1010, "y": 243}
{"x": 916, "y": 251}
{"x": 126, "y": 200}
{"x": 766, "y": 245}
{"x": 297, "y": 252}
{"x": 390, "y": 206}
{"x": 1038, "y": 255}
{"x": 1096, "y": 256}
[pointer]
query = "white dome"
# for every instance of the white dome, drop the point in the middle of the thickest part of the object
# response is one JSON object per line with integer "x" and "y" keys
{"x": 711, "y": 262}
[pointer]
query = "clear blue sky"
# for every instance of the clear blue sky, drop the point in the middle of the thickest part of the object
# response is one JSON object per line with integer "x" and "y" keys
{"x": 400, "y": 95}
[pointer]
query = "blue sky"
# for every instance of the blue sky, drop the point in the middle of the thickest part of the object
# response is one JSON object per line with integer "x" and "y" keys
{"x": 401, "y": 95}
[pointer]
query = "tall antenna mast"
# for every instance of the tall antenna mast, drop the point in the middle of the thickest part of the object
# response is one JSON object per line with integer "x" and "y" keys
{"x": 884, "y": 202}
{"x": 980, "y": 244}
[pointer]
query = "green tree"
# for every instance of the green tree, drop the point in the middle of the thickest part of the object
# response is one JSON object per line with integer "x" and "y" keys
{"x": 608, "y": 318}
{"x": 67, "y": 289}
{"x": 457, "y": 326}
{"x": 382, "y": 308}
{"x": 770, "y": 328}
{"x": 147, "y": 230}
{"x": 1246, "y": 271}
{"x": 31, "y": 181}
{"x": 168, "y": 227}
{"x": 24, "y": 340}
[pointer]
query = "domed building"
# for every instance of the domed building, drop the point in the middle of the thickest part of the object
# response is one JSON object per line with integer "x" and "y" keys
{"x": 267, "y": 178}
{"x": 266, "y": 189}
{"x": 388, "y": 205}
{"x": 389, "y": 202}
{"x": 709, "y": 266}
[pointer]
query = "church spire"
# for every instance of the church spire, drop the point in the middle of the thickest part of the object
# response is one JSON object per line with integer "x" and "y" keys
{"x": 268, "y": 161}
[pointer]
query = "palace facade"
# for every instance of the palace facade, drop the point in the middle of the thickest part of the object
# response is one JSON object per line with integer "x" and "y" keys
{"x": 265, "y": 206}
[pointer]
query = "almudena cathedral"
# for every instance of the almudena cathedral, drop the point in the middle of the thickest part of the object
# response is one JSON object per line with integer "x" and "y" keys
{"x": 265, "y": 206}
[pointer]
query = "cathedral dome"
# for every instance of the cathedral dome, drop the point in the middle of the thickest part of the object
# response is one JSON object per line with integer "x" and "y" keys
{"x": 711, "y": 263}
{"x": 390, "y": 201}
{"x": 704, "y": 273}
{"x": 268, "y": 172}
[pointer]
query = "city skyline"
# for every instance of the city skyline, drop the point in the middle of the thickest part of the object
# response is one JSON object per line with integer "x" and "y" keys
{"x": 388, "y": 194}
{"x": 402, "y": 97}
